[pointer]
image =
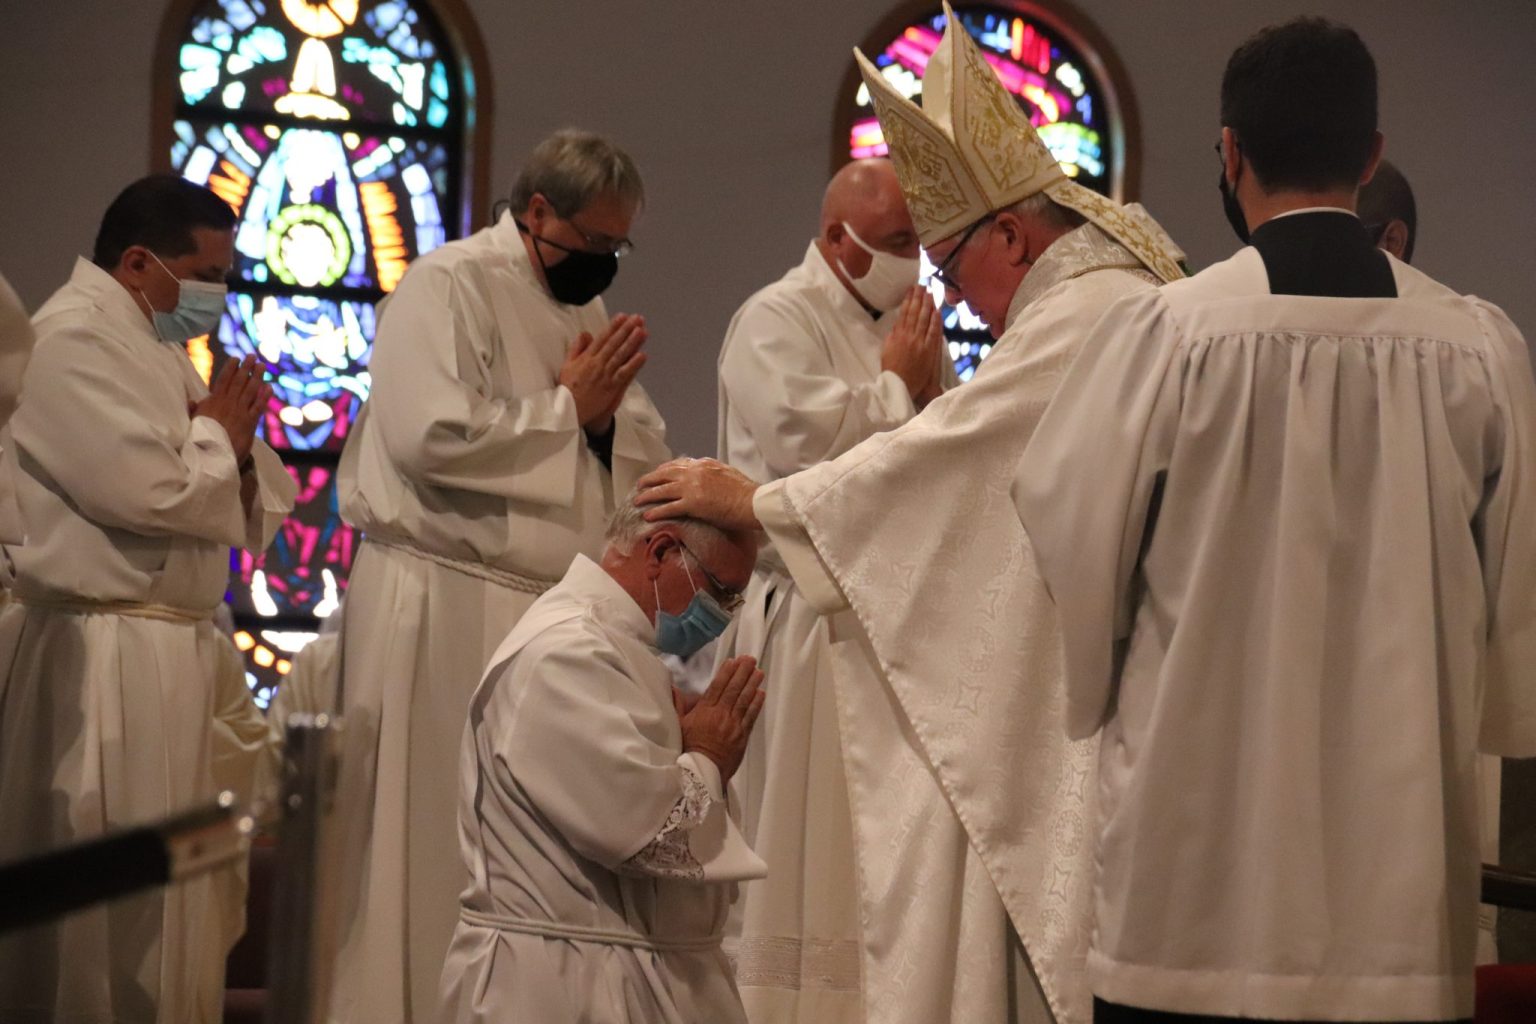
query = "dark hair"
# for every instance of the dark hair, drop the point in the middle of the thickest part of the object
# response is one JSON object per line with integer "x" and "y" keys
{"x": 1301, "y": 98}
{"x": 1388, "y": 197}
{"x": 160, "y": 213}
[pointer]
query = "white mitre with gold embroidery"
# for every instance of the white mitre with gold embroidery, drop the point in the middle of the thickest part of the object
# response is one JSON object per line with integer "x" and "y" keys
{"x": 970, "y": 150}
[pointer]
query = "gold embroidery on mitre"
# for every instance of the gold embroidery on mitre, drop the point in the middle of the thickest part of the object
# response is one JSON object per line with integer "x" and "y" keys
{"x": 976, "y": 152}
{"x": 1003, "y": 146}
{"x": 1133, "y": 228}
{"x": 928, "y": 180}
{"x": 940, "y": 195}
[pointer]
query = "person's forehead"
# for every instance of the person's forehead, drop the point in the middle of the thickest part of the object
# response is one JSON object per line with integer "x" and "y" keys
{"x": 214, "y": 248}
{"x": 607, "y": 213}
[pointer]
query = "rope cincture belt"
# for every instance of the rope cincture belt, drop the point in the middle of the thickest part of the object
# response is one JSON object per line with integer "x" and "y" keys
{"x": 133, "y": 609}
{"x": 479, "y": 570}
{"x": 578, "y": 933}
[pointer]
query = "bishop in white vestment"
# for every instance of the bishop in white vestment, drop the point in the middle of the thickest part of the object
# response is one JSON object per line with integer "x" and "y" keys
{"x": 592, "y": 811}
{"x": 476, "y": 484}
{"x": 811, "y": 366}
{"x": 971, "y": 808}
{"x": 121, "y": 702}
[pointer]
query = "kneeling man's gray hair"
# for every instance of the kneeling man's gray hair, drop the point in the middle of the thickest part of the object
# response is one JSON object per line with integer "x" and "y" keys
{"x": 629, "y": 525}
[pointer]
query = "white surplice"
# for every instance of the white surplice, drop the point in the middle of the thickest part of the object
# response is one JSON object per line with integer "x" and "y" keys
{"x": 800, "y": 383}
{"x": 1295, "y": 654}
{"x": 120, "y": 701}
{"x": 600, "y": 855}
{"x": 475, "y": 486}
{"x": 971, "y": 809}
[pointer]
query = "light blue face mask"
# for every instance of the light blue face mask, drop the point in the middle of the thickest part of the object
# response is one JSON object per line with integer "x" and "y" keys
{"x": 686, "y": 634}
{"x": 199, "y": 306}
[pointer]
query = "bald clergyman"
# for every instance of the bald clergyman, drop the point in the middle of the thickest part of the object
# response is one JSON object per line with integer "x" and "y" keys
{"x": 842, "y": 347}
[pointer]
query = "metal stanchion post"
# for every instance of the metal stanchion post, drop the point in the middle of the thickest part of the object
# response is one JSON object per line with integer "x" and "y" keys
{"x": 302, "y": 955}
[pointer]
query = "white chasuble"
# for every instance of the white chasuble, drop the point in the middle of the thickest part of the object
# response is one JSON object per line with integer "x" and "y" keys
{"x": 972, "y": 810}
{"x": 121, "y": 703}
{"x": 475, "y": 487}
{"x": 601, "y": 857}
{"x": 800, "y": 383}
{"x": 1298, "y": 591}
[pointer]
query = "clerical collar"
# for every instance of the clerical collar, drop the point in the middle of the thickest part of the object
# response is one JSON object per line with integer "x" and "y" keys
{"x": 1316, "y": 209}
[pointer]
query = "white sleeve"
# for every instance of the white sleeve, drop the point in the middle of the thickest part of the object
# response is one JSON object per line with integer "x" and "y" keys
{"x": 698, "y": 842}
{"x": 1085, "y": 488}
{"x": 781, "y": 382}
{"x": 772, "y": 507}
{"x": 600, "y": 760}
{"x": 1506, "y": 531}
{"x": 639, "y": 440}
{"x": 275, "y": 492}
{"x": 438, "y": 425}
{"x": 90, "y": 428}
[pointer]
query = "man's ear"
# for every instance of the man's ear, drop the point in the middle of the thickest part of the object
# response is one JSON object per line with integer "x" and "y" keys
{"x": 1231, "y": 156}
{"x": 1394, "y": 239}
{"x": 657, "y": 545}
{"x": 1012, "y": 230}
{"x": 134, "y": 262}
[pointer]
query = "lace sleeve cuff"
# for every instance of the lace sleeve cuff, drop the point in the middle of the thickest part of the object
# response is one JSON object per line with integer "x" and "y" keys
{"x": 669, "y": 855}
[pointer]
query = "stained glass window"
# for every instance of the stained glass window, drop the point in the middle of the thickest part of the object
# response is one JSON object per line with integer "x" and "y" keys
{"x": 336, "y": 130}
{"x": 1058, "y": 81}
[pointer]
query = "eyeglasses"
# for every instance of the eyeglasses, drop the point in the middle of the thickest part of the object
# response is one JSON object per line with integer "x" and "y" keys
{"x": 598, "y": 244}
{"x": 729, "y": 597}
{"x": 601, "y": 244}
{"x": 941, "y": 272}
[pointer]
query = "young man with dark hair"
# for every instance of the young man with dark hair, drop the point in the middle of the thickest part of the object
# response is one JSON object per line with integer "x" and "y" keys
{"x": 1297, "y": 587}
{"x": 117, "y": 690}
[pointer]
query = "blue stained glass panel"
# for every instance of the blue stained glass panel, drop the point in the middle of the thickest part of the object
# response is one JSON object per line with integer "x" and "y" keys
{"x": 329, "y": 128}
{"x": 247, "y": 55}
{"x": 316, "y": 352}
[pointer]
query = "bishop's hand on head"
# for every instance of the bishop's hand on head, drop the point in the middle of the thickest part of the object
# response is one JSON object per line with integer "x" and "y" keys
{"x": 719, "y": 724}
{"x": 597, "y": 371}
{"x": 699, "y": 489}
{"x": 235, "y": 401}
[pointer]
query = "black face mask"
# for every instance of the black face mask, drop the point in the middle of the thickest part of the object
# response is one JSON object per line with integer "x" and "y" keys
{"x": 579, "y": 278}
{"x": 1234, "y": 212}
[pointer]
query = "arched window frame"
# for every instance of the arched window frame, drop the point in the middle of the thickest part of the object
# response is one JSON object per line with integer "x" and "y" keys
{"x": 457, "y": 26}
{"x": 465, "y": 137}
{"x": 1123, "y": 118}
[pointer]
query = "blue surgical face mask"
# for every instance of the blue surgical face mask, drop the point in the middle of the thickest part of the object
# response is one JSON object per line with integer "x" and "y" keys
{"x": 686, "y": 634}
{"x": 199, "y": 306}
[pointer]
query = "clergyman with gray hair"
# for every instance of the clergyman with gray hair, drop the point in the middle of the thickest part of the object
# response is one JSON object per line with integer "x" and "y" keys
{"x": 504, "y": 419}
{"x": 592, "y": 815}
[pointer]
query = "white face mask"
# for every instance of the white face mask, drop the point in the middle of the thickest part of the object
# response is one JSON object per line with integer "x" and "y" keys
{"x": 889, "y": 275}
